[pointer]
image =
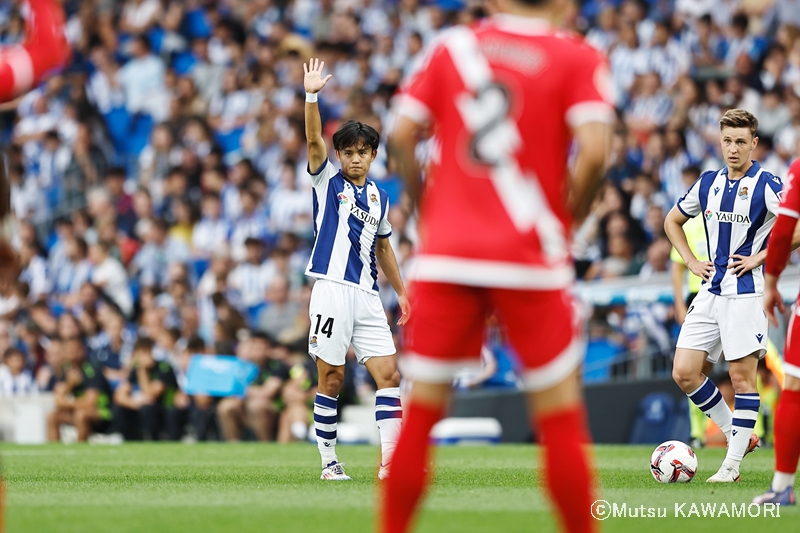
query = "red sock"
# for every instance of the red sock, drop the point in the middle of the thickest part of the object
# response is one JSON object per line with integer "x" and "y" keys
{"x": 403, "y": 488}
{"x": 787, "y": 432}
{"x": 567, "y": 474}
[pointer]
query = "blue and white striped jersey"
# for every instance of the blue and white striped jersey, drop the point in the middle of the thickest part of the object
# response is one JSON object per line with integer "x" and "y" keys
{"x": 738, "y": 217}
{"x": 348, "y": 220}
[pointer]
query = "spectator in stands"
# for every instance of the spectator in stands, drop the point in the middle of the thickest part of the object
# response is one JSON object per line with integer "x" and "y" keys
{"x": 211, "y": 232}
{"x": 83, "y": 398}
{"x": 248, "y": 282}
{"x": 142, "y": 79}
{"x": 34, "y": 272}
{"x": 110, "y": 277}
{"x": 73, "y": 273}
{"x": 250, "y": 224}
{"x": 149, "y": 392}
{"x": 282, "y": 312}
{"x": 256, "y": 409}
{"x": 15, "y": 379}
{"x": 152, "y": 262}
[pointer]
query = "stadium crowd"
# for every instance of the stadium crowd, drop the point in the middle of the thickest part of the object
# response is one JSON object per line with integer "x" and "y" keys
{"x": 164, "y": 209}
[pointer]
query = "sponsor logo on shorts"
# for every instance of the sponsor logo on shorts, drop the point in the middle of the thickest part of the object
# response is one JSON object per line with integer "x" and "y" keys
{"x": 759, "y": 336}
{"x": 313, "y": 341}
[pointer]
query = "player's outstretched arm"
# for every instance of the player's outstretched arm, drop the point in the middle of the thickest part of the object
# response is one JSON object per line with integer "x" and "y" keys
{"x": 386, "y": 258}
{"x": 313, "y": 83}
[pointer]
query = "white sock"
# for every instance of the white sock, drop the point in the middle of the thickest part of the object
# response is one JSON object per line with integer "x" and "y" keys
{"x": 388, "y": 415}
{"x": 325, "y": 413}
{"x": 709, "y": 399}
{"x": 781, "y": 481}
{"x": 745, "y": 413}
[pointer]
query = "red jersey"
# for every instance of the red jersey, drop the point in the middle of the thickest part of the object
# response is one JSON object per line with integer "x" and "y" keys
{"x": 780, "y": 240}
{"x": 503, "y": 97}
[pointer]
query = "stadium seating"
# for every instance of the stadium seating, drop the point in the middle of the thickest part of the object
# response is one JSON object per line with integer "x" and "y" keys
{"x": 658, "y": 419}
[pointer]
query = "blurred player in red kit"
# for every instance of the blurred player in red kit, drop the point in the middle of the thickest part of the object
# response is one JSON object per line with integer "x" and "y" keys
{"x": 506, "y": 100}
{"x": 22, "y": 67}
{"x": 783, "y": 239}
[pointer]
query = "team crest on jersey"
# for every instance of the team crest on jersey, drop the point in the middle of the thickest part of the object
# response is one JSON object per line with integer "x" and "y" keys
{"x": 342, "y": 198}
{"x": 743, "y": 193}
{"x": 373, "y": 198}
{"x": 313, "y": 341}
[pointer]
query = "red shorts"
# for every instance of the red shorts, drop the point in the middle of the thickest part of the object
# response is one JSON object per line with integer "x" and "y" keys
{"x": 791, "y": 352}
{"x": 448, "y": 322}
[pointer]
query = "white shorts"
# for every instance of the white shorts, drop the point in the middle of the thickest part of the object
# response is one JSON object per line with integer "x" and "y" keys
{"x": 736, "y": 327}
{"x": 342, "y": 315}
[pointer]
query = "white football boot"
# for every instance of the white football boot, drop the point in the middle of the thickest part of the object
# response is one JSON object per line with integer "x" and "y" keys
{"x": 334, "y": 472}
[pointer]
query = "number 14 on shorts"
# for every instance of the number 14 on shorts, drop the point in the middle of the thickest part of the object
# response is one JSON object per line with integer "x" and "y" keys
{"x": 327, "y": 326}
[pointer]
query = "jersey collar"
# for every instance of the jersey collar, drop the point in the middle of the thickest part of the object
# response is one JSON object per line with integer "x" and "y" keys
{"x": 521, "y": 25}
{"x": 752, "y": 171}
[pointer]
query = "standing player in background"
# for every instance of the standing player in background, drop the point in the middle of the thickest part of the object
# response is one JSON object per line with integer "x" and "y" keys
{"x": 22, "y": 67}
{"x": 351, "y": 232}
{"x": 787, "y": 415}
{"x": 739, "y": 203}
{"x": 505, "y": 99}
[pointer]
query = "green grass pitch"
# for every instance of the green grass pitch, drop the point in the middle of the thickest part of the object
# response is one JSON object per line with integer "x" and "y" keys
{"x": 244, "y": 488}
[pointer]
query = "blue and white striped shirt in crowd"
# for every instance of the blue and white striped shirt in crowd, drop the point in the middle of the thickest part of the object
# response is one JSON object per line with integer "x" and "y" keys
{"x": 348, "y": 220}
{"x": 248, "y": 283}
{"x": 669, "y": 62}
{"x": 656, "y": 108}
{"x": 738, "y": 216}
{"x": 210, "y": 235}
{"x": 626, "y": 63}
{"x": 671, "y": 174}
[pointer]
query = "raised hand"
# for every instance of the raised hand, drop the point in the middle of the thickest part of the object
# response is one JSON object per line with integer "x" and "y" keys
{"x": 313, "y": 80}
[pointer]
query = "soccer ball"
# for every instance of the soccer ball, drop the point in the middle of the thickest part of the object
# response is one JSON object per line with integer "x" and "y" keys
{"x": 673, "y": 462}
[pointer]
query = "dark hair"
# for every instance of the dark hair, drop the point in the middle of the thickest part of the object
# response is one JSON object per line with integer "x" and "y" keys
{"x": 196, "y": 344}
{"x": 144, "y": 343}
{"x": 116, "y": 172}
{"x": 692, "y": 169}
{"x": 13, "y": 351}
{"x": 144, "y": 41}
{"x": 353, "y": 133}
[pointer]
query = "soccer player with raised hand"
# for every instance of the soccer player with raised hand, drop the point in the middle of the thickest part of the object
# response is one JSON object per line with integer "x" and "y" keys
{"x": 738, "y": 203}
{"x": 351, "y": 235}
{"x": 505, "y": 99}
{"x": 784, "y": 238}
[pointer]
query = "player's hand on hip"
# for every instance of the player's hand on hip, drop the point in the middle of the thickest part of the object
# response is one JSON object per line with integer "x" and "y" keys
{"x": 701, "y": 269}
{"x": 405, "y": 310}
{"x": 313, "y": 80}
{"x": 772, "y": 299}
{"x": 743, "y": 263}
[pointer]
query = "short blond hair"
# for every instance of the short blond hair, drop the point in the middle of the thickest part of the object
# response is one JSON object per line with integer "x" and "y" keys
{"x": 739, "y": 118}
